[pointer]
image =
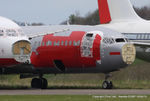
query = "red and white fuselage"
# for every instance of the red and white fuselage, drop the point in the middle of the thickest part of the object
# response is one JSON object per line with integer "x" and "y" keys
{"x": 82, "y": 49}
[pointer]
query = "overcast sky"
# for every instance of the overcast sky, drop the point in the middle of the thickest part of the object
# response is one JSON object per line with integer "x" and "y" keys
{"x": 50, "y": 11}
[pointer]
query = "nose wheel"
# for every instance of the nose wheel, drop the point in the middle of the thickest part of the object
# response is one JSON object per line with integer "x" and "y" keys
{"x": 39, "y": 83}
{"x": 107, "y": 84}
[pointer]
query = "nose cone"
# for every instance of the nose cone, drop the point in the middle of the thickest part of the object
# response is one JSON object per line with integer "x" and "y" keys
{"x": 21, "y": 50}
{"x": 128, "y": 53}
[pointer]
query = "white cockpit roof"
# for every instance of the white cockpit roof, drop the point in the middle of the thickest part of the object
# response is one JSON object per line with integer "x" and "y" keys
{"x": 7, "y": 23}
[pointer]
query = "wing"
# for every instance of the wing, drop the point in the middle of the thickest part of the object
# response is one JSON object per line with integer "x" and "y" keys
{"x": 141, "y": 44}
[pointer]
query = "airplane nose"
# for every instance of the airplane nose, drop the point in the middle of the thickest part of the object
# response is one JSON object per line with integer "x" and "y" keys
{"x": 21, "y": 50}
{"x": 128, "y": 53}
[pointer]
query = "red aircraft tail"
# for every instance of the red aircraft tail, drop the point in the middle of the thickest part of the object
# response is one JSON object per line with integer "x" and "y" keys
{"x": 116, "y": 11}
{"x": 104, "y": 12}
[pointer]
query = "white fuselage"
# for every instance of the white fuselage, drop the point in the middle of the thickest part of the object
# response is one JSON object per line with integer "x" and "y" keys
{"x": 12, "y": 42}
{"x": 6, "y": 44}
{"x": 133, "y": 26}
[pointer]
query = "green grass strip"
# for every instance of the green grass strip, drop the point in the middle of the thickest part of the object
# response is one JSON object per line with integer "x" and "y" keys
{"x": 75, "y": 98}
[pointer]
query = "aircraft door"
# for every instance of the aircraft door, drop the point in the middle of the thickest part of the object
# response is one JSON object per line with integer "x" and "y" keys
{"x": 87, "y": 45}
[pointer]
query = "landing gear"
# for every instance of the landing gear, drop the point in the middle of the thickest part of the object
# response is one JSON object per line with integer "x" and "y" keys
{"x": 107, "y": 84}
{"x": 39, "y": 83}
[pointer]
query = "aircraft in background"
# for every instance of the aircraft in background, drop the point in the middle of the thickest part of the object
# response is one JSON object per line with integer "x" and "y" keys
{"x": 14, "y": 45}
{"x": 81, "y": 49}
{"x": 119, "y": 15}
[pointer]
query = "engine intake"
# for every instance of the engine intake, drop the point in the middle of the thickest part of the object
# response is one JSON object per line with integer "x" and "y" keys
{"x": 21, "y": 51}
{"x": 128, "y": 53}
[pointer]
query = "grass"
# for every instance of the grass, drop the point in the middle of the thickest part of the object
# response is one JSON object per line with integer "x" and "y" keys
{"x": 135, "y": 76}
{"x": 73, "y": 98}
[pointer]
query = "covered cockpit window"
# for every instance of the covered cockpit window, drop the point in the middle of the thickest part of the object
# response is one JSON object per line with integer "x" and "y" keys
{"x": 108, "y": 40}
{"x": 20, "y": 32}
{"x": 120, "y": 40}
{"x": 1, "y": 32}
{"x": 11, "y": 32}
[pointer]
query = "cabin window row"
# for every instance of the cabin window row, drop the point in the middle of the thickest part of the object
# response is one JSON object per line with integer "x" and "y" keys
{"x": 10, "y": 32}
{"x": 138, "y": 36}
{"x": 58, "y": 43}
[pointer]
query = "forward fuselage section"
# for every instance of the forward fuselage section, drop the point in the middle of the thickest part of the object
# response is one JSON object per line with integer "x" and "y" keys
{"x": 79, "y": 51}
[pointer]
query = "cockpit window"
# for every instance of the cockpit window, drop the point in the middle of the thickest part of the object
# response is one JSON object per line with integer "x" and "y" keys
{"x": 11, "y": 32}
{"x": 1, "y": 32}
{"x": 120, "y": 40}
{"x": 89, "y": 35}
{"x": 108, "y": 40}
{"x": 20, "y": 32}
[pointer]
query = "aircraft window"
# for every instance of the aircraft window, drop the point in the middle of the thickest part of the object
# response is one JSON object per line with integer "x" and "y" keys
{"x": 76, "y": 43}
{"x": 70, "y": 42}
{"x": 144, "y": 36}
{"x": 1, "y": 32}
{"x": 49, "y": 43}
{"x": 66, "y": 43}
{"x": 56, "y": 43}
{"x": 141, "y": 37}
{"x": 11, "y": 32}
{"x": 148, "y": 37}
{"x": 43, "y": 44}
{"x": 89, "y": 35}
{"x": 108, "y": 40}
{"x": 120, "y": 40}
{"x": 62, "y": 43}
{"x": 138, "y": 36}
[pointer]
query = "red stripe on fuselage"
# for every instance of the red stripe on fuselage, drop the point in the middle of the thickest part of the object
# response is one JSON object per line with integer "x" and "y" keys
{"x": 7, "y": 62}
{"x": 114, "y": 53}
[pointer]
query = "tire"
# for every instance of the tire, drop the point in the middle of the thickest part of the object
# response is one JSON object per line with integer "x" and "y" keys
{"x": 44, "y": 83}
{"x": 110, "y": 85}
{"x": 36, "y": 83}
{"x": 107, "y": 85}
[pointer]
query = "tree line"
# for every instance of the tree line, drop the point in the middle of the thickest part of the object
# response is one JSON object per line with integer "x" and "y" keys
{"x": 93, "y": 18}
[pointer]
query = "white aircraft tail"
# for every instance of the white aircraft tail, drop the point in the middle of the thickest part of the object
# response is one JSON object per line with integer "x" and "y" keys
{"x": 116, "y": 11}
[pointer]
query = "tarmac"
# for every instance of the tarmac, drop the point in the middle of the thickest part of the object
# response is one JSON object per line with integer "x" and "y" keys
{"x": 75, "y": 92}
